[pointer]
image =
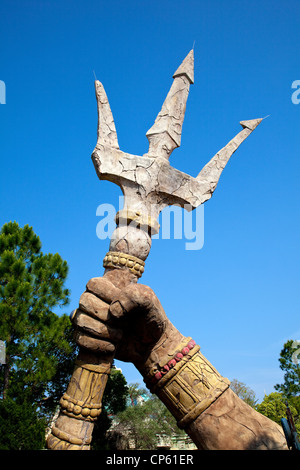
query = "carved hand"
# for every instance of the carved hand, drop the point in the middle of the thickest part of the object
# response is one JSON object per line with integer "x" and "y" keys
{"x": 130, "y": 322}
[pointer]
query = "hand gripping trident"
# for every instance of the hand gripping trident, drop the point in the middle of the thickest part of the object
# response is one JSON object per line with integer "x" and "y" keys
{"x": 149, "y": 183}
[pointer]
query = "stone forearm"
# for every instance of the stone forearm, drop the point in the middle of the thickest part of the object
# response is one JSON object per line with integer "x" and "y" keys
{"x": 201, "y": 401}
{"x": 230, "y": 424}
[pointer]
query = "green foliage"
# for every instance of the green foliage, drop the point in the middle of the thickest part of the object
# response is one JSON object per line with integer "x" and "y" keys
{"x": 42, "y": 373}
{"x": 145, "y": 420}
{"x": 291, "y": 385}
{"x": 31, "y": 287}
{"x": 39, "y": 347}
{"x": 244, "y": 392}
{"x": 274, "y": 407}
{"x": 20, "y": 427}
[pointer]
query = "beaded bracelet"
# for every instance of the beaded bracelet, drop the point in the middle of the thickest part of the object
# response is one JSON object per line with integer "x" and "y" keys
{"x": 161, "y": 370}
{"x": 177, "y": 358}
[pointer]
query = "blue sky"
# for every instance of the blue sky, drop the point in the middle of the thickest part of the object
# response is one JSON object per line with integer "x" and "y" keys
{"x": 238, "y": 295}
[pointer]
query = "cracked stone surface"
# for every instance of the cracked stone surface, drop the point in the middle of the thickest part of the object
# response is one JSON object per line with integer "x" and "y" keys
{"x": 149, "y": 183}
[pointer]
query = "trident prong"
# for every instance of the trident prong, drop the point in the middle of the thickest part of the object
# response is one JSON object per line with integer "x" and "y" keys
{"x": 149, "y": 183}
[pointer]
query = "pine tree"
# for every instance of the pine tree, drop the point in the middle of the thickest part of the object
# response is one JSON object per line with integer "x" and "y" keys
{"x": 290, "y": 388}
{"x": 291, "y": 367}
{"x": 39, "y": 349}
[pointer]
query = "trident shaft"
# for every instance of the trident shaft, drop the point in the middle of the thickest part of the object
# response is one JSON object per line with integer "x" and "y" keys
{"x": 149, "y": 184}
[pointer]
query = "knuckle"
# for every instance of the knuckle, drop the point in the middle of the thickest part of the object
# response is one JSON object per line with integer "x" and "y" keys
{"x": 99, "y": 346}
{"x": 116, "y": 309}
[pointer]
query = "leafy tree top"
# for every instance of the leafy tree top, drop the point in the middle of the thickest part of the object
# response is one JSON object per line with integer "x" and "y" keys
{"x": 31, "y": 287}
{"x": 291, "y": 367}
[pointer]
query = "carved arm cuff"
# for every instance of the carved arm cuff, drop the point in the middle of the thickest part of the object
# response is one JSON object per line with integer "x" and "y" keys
{"x": 187, "y": 383}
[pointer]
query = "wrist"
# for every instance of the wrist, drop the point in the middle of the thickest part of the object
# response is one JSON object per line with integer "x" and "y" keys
{"x": 162, "y": 352}
{"x": 183, "y": 378}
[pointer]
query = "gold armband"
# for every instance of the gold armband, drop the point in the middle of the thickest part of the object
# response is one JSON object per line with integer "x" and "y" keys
{"x": 187, "y": 384}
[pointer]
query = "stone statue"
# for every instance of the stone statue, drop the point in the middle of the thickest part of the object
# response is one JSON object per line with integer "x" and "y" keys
{"x": 117, "y": 317}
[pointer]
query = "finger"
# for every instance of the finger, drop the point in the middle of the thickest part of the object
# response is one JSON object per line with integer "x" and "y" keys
{"x": 102, "y": 288}
{"x": 93, "y": 327}
{"x": 98, "y": 346}
{"x": 94, "y": 306}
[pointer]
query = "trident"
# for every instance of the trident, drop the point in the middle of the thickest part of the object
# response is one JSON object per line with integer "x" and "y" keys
{"x": 149, "y": 184}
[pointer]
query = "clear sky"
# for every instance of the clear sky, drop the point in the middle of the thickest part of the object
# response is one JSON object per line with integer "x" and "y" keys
{"x": 238, "y": 296}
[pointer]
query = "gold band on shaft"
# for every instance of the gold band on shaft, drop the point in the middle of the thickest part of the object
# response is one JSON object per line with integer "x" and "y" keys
{"x": 116, "y": 259}
{"x": 137, "y": 219}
